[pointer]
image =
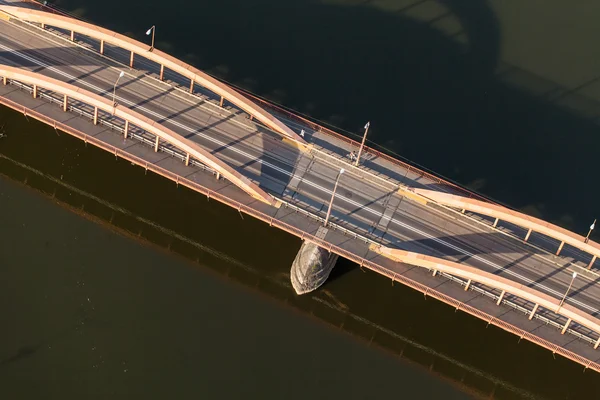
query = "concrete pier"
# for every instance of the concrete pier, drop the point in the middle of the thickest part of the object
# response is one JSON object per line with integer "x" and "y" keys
{"x": 312, "y": 266}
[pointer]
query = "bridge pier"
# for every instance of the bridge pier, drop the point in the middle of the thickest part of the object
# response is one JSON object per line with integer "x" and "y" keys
{"x": 101, "y": 46}
{"x": 95, "y": 115}
{"x": 187, "y": 159}
{"x": 131, "y": 60}
{"x": 35, "y": 91}
{"x": 528, "y": 234}
{"x": 162, "y": 72}
{"x": 192, "y": 86}
{"x": 312, "y": 265}
{"x": 156, "y": 145}
{"x": 4, "y": 80}
{"x": 126, "y": 130}
{"x": 72, "y": 36}
{"x": 65, "y": 103}
{"x": 221, "y": 102}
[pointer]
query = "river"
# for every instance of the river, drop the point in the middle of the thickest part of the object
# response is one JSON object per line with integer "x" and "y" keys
{"x": 110, "y": 288}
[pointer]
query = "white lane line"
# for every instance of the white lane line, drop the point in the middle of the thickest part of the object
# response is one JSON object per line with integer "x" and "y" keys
{"x": 298, "y": 126}
{"x": 282, "y": 117}
{"x": 291, "y": 123}
{"x": 327, "y": 191}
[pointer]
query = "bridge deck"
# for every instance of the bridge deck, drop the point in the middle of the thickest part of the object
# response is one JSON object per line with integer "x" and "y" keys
{"x": 370, "y": 207}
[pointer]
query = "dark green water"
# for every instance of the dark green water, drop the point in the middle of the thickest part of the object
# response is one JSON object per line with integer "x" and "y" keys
{"x": 180, "y": 330}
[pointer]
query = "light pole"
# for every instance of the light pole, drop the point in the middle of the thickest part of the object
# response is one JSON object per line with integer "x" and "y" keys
{"x": 148, "y": 32}
{"x": 333, "y": 196}
{"x": 592, "y": 226}
{"x": 363, "y": 143}
{"x": 567, "y": 292}
{"x": 122, "y": 74}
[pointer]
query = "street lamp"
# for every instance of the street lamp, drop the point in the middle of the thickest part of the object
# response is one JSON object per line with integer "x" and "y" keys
{"x": 122, "y": 74}
{"x": 592, "y": 226}
{"x": 363, "y": 143}
{"x": 567, "y": 292}
{"x": 333, "y": 196}
{"x": 148, "y": 32}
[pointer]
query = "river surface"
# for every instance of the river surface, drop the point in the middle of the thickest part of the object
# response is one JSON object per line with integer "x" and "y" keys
{"x": 118, "y": 284}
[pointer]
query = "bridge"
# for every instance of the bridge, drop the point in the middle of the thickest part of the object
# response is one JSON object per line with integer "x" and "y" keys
{"x": 524, "y": 275}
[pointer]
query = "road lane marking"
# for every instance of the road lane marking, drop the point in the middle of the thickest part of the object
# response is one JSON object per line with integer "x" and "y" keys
{"x": 281, "y": 170}
{"x": 282, "y": 117}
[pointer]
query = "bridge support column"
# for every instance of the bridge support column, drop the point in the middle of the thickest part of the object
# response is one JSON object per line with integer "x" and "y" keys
{"x": 496, "y": 222}
{"x": 192, "y": 86}
{"x": 597, "y": 344}
{"x": 462, "y": 211}
{"x": 560, "y": 248}
{"x": 43, "y": 25}
{"x": 533, "y": 311}
{"x": 501, "y": 297}
{"x": 187, "y": 159}
{"x": 95, "y": 115}
{"x": 4, "y": 81}
{"x": 251, "y": 117}
{"x": 467, "y": 285}
{"x": 35, "y": 91}
{"x": 72, "y": 36}
{"x": 528, "y": 234}
{"x": 564, "y": 329}
{"x": 434, "y": 272}
{"x": 131, "y": 60}
{"x": 218, "y": 175}
{"x": 126, "y": 130}
{"x": 591, "y": 262}
{"x": 221, "y": 102}
{"x": 162, "y": 72}
{"x": 65, "y": 103}
{"x": 156, "y": 145}
{"x": 102, "y": 47}
{"x": 312, "y": 265}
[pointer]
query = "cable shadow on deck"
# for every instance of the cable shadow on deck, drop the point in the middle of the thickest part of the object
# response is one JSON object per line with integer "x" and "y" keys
{"x": 209, "y": 126}
{"x": 181, "y": 112}
{"x": 475, "y": 243}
